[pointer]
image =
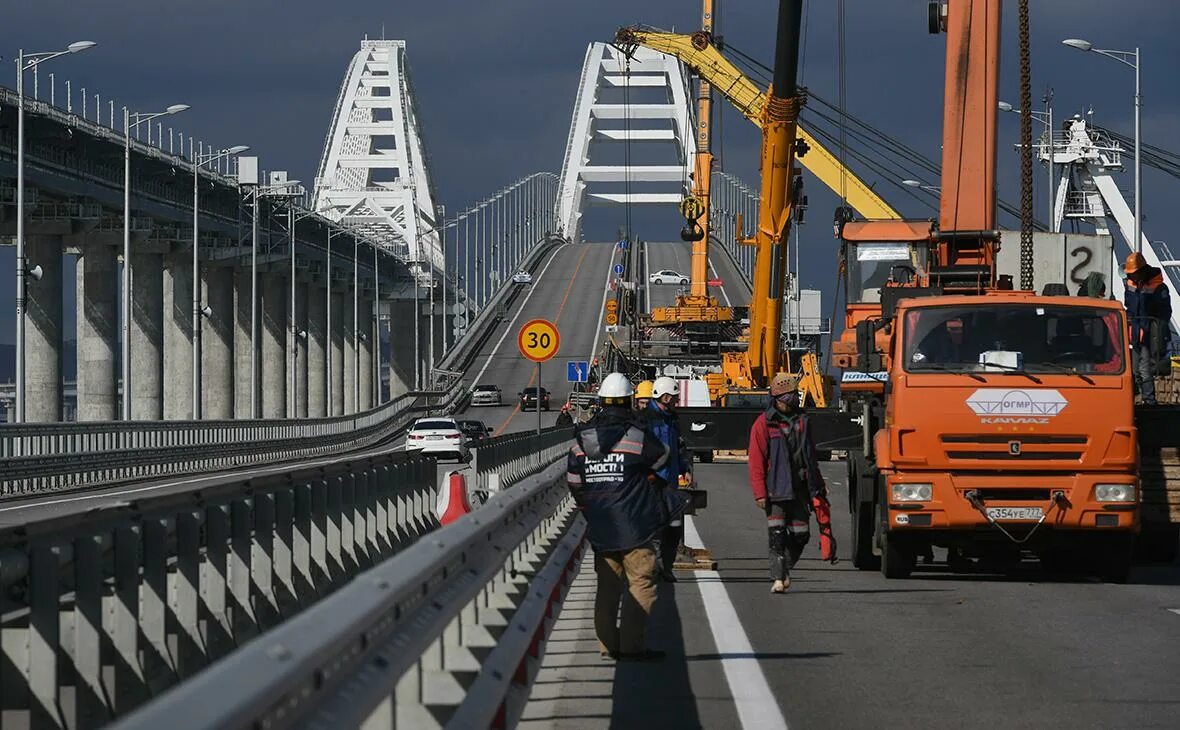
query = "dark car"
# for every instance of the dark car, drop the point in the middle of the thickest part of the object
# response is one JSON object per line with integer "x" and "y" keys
{"x": 474, "y": 430}
{"x": 528, "y": 399}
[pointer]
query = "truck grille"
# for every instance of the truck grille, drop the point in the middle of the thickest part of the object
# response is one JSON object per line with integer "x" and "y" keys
{"x": 1014, "y": 447}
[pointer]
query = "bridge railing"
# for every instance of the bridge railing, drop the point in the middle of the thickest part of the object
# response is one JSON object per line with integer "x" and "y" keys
{"x": 41, "y": 457}
{"x": 449, "y": 632}
{"x": 252, "y": 601}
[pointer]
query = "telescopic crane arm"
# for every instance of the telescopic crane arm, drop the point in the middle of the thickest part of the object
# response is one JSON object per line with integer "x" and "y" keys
{"x": 698, "y": 52}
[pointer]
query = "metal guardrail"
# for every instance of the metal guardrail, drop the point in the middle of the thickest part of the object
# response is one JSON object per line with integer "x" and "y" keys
{"x": 43, "y": 457}
{"x": 104, "y": 608}
{"x": 448, "y": 633}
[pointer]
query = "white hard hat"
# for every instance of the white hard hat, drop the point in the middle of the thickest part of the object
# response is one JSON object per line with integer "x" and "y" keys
{"x": 665, "y": 386}
{"x": 615, "y": 385}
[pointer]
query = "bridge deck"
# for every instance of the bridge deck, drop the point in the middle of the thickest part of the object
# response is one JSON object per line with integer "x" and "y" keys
{"x": 846, "y": 648}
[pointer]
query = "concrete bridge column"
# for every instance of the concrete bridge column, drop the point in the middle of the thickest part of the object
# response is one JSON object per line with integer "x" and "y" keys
{"x": 178, "y": 336}
{"x": 401, "y": 347}
{"x": 217, "y": 343}
{"x": 317, "y": 348}
{"x": 272, "y": 361}
{"x": 338, "y": 326}
{"x": 98, "y": 332}
{"x": 297, "y": 354}
{"x": 43, "y": 398}
{"x": 365, "y": 376}
{"x": 242, "y": 344}
{"x": 147, "y": 337}
{"x": 350, "y": 353}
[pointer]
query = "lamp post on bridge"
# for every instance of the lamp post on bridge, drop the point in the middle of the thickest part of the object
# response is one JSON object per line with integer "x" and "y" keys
{"x": 131, "y": 121}
{"x": 26, "y": 62}
{"x": 1124, "y": 57}
{"x": 200, "y": 160}
{"x": 1046, "y": 118}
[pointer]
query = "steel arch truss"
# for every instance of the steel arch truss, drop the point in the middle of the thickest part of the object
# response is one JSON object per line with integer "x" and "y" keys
{"x": 625, "y": 101}
{"x": 373, "y": 175}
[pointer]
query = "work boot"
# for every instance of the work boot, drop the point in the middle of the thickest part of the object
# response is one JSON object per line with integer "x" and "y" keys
{"x": 780, "y": 586}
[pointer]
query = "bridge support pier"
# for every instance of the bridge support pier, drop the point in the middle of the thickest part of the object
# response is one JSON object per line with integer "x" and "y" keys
{"x": 241, "y": 343}
{"x": 401, "y": 347}
{"x": 317, "y": 348}
{"x": 350, "y": 352}
{"x": 365, "y": 375}
{"x": 272, "y": 371}
{"x": 217, "y": 343}
{"x": 338, "y": 326}
{"x": 297, "y": 352}
{"x": 98, "y": 332}
{"x": 178, "y": 336}
{"x": 43, "y": 325}
{"x": 147, "y": 336}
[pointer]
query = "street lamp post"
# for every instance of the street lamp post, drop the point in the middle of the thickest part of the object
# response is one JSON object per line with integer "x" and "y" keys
{"x": 131, "y": 121}
{"x": 1124, "y": 57}
{"x": 1046, "y": 118}
{"x": 25, "y": 62}
{"x": 920, "y": 185}
{"x": 199, "y": 160}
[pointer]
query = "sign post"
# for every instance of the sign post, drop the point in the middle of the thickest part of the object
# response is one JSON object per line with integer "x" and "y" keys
{"x": 538, "y": 340}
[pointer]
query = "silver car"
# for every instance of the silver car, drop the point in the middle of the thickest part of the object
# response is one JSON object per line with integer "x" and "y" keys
{"x": 486, "y": 395}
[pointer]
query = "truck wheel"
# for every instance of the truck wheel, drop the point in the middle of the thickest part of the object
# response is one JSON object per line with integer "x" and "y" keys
{"x": 862, "y": 538}
{"x": 1114, "y": 558}
{"x": 897, "y": 557}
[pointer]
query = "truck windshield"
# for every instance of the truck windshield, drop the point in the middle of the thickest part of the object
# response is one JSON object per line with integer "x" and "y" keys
{"x": 1029, "y": 338}
{"x": 871, "y": 265}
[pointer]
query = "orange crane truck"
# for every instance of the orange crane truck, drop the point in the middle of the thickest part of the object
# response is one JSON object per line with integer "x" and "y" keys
{"x": 994, "y": 421}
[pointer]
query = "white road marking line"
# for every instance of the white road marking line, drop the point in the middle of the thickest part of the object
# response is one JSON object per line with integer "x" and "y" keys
{"x": 1175, "y": 611}
{"x": 755, "y": 703}
{"x": 529, "y": 295}
{"x": 722, "y": 287}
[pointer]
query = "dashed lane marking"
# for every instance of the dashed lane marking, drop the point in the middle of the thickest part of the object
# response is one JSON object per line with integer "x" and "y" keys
{"x": 755, "y": 703}
{"x": 1175, "y": 611}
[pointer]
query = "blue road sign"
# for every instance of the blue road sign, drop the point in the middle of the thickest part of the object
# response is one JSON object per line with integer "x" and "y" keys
{"x": 618, "y": 269}
{"x": 577, "y": 371}
{"x": 622, "y": 245}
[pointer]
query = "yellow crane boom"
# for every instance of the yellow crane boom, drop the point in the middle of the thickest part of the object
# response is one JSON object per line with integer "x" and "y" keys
{"x": 698, "y": 53}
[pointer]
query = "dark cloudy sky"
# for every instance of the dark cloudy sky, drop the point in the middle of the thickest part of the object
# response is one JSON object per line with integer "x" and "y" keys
{"x": 495, "y": 81}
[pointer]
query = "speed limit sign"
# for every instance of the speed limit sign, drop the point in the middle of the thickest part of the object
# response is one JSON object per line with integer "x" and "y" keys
{"x": 538, "y": 340}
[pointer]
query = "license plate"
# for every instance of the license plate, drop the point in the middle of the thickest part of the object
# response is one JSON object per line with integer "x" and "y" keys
{"x": 434, "y": 438}
{"x": 1015, "y": 513}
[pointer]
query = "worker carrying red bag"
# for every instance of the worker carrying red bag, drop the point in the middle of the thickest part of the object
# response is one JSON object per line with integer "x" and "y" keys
{"x": 785, "y": 480}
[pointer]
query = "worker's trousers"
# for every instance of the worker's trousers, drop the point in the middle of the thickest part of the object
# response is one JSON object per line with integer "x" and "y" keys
{"x": 788, "y": 524}
{"x": 628, "y": 576}
{"x": 1144, "y": 369}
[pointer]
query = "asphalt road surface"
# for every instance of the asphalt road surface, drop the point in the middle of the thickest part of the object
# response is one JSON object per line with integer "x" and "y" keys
{"x": 850, "y": 649}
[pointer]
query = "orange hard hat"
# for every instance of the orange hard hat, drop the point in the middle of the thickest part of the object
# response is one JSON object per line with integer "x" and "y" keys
{"x": 784, "y": 383}
{"x": 1135, "y": 261}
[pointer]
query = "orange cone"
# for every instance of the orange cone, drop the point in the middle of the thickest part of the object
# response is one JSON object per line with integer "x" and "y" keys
{"x": 453, "y": 502}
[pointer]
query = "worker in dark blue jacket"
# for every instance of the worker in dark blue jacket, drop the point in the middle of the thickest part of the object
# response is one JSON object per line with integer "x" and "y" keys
{"x": 612, "y": 476}
{"x": 664, "y": 425}
{"x": 1149, "y": 309}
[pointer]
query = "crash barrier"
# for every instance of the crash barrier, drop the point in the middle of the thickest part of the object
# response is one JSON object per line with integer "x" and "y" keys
{"x": 448, "y": 633}
{"x": 106, "y": 606}
{"x": 506, "y": 459}
{"x": 44, "y": 457}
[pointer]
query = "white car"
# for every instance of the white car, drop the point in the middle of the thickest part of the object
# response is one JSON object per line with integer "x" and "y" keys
{"x": 486, "y": 395}
{"x": 438, "y": 436}
{"x": 668, "y": 276}
{"x": 522, "y": 277}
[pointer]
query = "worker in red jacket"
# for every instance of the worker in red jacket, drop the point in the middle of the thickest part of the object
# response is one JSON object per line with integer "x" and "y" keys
{"x": 785, "y": 478}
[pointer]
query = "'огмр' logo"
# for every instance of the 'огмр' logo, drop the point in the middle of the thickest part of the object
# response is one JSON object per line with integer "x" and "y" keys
{"x": 994, "y": 405}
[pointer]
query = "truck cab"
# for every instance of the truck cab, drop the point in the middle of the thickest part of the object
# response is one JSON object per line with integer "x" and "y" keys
{"x": 1007, "y": 425}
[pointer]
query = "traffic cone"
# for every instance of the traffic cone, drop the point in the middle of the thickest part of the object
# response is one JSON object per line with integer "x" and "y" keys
{"x": 453, "y": 502}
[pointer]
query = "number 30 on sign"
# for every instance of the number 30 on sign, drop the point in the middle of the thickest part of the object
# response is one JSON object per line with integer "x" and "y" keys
{"x": 538, "y": 340}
